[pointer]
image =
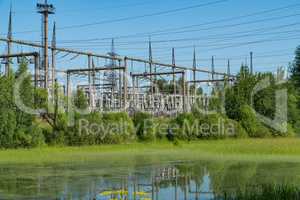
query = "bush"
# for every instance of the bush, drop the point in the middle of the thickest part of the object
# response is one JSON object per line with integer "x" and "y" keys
{"x": 187, "y": 126}
{"x": 60, "y": 132}
{"x": 193, "y": 127}
{"x": 37, "y": 137}
{"x": 288, "y": 133}
{"x": 251, "y": 124}
{"x": 220, "y": 126}
{"x": 144, "y": 126}
{"x": 32, "y": 137}
{"x": 293, "y": 111}
{"x": 21, "y": 139}
{"x": 238, "y": 130}
{"x": 213, "y": 126}
{"x": 119, "y": 128}
{"x": 161, "y": 126}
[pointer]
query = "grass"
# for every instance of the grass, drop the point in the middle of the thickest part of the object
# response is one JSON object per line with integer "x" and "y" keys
{"x": 265, "y": 192}
{"x": 259, "y": 150}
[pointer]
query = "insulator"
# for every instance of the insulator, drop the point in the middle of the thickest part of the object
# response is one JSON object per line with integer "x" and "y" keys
{"x": 4, "y": 61}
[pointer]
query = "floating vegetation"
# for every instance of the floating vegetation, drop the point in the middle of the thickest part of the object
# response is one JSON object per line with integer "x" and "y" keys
{"x": 123, "y": 193}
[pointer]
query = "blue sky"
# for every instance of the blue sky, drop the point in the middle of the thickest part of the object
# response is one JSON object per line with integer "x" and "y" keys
{"x": 239, "y": 36}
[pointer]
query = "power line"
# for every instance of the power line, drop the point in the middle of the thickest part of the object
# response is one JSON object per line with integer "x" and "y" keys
{"x": 108, "y": 7}
{"x": 166, "y": 12}
{"x": 254, "y": 42}
{"x": 231, "y": 35}
{"x": 228, "y": 45}
{"x": 215, "y": 27}
{"x": 216, "y": 43}
{"x": 143, "y": 16}
{"x": 90, "y": 8}
{"x": 230, "y": 25}
{"x": 206, "y": 23}
{"x": 240, "y": 57}
{"x": 207, "y": 37}
{"x": 130, "y": 18}
{"x": 93, "y": 8}
{"x": 231, "y": 18}
{"x": 214, "y": 37}
{"x": 261, "y": 54}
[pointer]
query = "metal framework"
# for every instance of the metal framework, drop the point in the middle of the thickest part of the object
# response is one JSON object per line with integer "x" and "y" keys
{"x": 135, "y": 77}
{"x": 92, "y": 86}
{"x": 90, "y": 71}
{"x": 118, "y": 67}
{"x": 36, "y": 56}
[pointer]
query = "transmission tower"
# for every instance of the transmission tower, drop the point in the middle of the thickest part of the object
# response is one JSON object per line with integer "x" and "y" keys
{"x": 228, "y": 68}
{"x": 173, "y": 69}
{"x": 194, "y": 70}
{"x": 112, "y": 76}
{"x": 45, "y": 10}
{"x": 9, "y": 37}
{"x": 213, "y": 68}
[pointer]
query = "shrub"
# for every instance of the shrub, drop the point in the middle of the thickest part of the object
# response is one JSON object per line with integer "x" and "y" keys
{"x": 288, "y": 133}
{"x": 21, "y": 139}
{"x": 144, "y": 126}
{"x": 238, "y": 130}
{"x": 193, "y": 127}
{"x": 119, "y": 128}
{"x": 37, "y": 137}
{"x": 187, "y": 126}
{"x": 161, "y": 126}
{"x": 220, "y": 126}
{"x": 251, "y": 124}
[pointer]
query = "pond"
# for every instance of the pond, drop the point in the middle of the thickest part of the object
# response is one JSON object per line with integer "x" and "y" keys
{"x": 142, "y": 179}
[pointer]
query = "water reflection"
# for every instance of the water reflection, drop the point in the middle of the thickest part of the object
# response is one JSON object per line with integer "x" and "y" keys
{"x": 161, "y": 183}
{"x": 195, "y": 180}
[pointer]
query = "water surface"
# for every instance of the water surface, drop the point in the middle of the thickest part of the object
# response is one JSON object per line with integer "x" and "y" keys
{"x": 141, "y": 179}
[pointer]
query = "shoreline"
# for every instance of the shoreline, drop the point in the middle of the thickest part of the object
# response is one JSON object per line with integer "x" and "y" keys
{"x": 257, "y": 150}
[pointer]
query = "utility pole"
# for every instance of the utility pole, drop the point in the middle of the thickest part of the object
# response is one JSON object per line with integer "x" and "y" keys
{"x": 194, "y": 71}
{"x": 173, "y": 68}
{"x": 213, "y": 67}
{"x": 9, "y": 37}
{"x": 150, "y": 65}
{"x": 183, "y": 92}
{"x": 228, "y": 71}
{"x": 251, "y": 62}
{"x": 53, "y": 52}
{"x": 45, "y": 10}
{"x": 69, "y": 88}
{"x": 228, "y": 68}
{"x": 90, "y": 81}
{"x": 125, "y": 84}
{"x": 93, "y": 84}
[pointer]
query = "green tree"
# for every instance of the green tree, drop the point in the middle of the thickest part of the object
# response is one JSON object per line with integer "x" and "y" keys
{"x": 80, "y": 100}
{"x": 27, "y": 95}
{"x": 239, "y": 94}
{"x": 295, "y": 69}
{"x": 7, "y": 112}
